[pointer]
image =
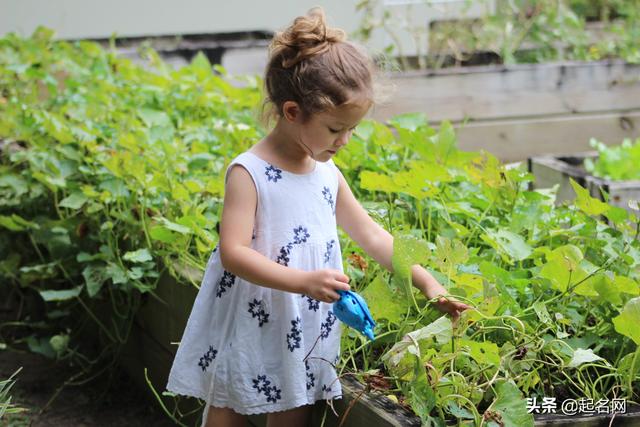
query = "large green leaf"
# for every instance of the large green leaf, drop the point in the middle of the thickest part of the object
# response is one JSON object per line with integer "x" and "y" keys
{"x": 627, "y": 322}
{"x": 586, "y": 203}
{"x": 509, "y": 407}
{"x": 408, "y": 251}
{"x": 383, "y": 302}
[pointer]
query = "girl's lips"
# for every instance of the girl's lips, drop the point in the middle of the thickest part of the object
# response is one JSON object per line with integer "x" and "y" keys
{"x": 331, "y": 151}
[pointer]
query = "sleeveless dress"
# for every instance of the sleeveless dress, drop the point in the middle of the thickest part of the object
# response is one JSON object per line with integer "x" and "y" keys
{"x": 244, "y": 345}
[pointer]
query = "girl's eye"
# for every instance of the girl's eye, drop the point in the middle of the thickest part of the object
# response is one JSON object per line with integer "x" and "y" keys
{"x": 337, "y": 131}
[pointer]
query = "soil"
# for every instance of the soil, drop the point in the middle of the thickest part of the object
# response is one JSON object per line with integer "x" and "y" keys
{"x": 95, "y": 404}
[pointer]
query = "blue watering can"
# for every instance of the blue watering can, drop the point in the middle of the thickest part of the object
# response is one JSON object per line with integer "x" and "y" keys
{"x": 352, "y": 309}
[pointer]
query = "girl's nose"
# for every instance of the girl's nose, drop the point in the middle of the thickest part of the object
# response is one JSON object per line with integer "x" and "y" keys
{"x": 344, "y": 138}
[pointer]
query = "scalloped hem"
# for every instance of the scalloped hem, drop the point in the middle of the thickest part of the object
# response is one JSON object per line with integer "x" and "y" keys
{"x": 257, "y": 409}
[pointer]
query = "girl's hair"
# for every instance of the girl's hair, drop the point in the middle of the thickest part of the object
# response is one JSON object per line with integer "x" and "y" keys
{"x": 316, "y": 67}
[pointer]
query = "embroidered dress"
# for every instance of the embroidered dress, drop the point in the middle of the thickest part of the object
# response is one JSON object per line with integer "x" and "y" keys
{"x": 244, "y": 345}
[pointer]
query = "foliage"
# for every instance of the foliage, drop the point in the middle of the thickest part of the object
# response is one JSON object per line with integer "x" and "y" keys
{"x": 506, "y": 32}
{"x": 618, "y": 163}
{"x": 548, "y": 282}
{"x": 6, "y": 407}
{"x": 110, "y": 177}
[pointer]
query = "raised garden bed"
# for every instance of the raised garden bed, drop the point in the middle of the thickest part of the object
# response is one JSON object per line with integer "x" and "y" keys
{"x": 557, "y": 169}
{"x": 518, "y": 111}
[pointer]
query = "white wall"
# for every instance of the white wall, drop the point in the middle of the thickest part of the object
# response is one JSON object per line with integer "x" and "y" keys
{"x": 72, "y": 19}
{"x": 94, "y": 19}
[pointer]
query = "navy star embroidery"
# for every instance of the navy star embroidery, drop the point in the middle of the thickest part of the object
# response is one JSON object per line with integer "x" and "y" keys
{"x": 226, "y": 281}
{"x": 262, "y": 385}
{"x": 329, "y": 198}
{"x": 310, "y": 377}
{"x": 314, "y": 304}
{"x": 325, "y": 328}
{"x": 301, "y": 235}
{"x": 207, "y": 358}
{"x": 294, "y": 338}
{"x": 256, "y": 308}
{"x": 327, "y": 254}
{"x": 273, "y": 173}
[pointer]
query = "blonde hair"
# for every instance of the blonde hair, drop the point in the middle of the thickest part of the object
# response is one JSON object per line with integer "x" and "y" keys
{"x": 315, "y": 66}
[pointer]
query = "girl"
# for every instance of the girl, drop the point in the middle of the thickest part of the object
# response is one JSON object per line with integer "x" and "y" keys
{"x": 261, "y": 337}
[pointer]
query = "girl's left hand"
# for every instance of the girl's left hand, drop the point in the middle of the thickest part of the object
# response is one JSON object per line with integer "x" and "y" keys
{"x": 446, "y": 305}
{"x": 452, "y": 307}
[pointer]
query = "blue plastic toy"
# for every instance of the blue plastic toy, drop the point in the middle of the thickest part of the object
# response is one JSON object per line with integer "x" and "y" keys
{"x": 353, "y": 311}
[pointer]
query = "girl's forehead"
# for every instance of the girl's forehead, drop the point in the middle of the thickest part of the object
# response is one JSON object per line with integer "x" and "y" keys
{"x": 347, "y": 112}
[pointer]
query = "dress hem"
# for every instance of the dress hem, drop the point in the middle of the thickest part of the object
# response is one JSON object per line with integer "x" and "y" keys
{"x": 255, "y": 409}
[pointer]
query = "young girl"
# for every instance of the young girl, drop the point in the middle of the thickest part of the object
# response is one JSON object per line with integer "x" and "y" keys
{"x": 262, "y": 337}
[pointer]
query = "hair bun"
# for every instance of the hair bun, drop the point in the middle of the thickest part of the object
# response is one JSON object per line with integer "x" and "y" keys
{"x": 306, "y": 37}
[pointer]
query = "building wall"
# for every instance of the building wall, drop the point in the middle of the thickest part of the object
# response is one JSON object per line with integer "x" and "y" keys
{"x": 73, "y": 19}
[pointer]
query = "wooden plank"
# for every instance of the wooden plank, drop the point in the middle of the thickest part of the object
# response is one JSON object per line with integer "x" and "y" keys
{"x": 165, "y": 320}
{"x": 370, "y": 409}
{"x": 516, "y": 91}
{"x": 514, "y": 140}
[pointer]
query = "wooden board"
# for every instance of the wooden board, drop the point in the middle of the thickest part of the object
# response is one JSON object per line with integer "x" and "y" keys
{"x": 515, "y": 91}
{"x": 514, "y": 140}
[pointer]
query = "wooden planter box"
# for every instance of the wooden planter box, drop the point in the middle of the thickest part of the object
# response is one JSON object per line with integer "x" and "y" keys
{"x": 519, "y": 111}
{"x": 557, "y": 169}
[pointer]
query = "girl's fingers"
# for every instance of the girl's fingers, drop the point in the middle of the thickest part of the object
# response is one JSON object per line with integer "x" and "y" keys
{"x": 343, "y": 286}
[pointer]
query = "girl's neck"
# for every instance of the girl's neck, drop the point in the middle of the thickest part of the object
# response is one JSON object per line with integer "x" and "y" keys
{"x": 281, "y": 147}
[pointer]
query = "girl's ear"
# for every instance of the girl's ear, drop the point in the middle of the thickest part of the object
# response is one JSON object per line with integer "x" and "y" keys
{"x": 291, "y": 111}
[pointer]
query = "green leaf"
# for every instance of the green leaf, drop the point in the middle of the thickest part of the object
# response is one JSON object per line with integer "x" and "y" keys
{"x": 74, "y": 201}
{"x": 141, "y": 255}
{"x": 627, "y": 322}
{"x": 94, "y": 275}
{"x": 174, "y": 226}
{"x": 116, "y": 273}
{"x": 408, "y": 251}
{"x": 60, "y": 295}
{"x": 409, "y": 121}
{"x": 162, "y": 234}
{"x": 586, "y": 203}
{"x": 510, "y": 406}
{"x": 581, "y": 356}
{"x": 41, "y": 346}
{"x": 563, "y": 265}
{"x": 440, "y": 330}
{"x": 382, "y": 301}
{"x": 17, "y": 223}
{"x": 512, "y": 246}
{"x": 421, "y": 396}
{"x": 154, "y": 117}
{"x": 373, "y": 181}
{"x": 485, "y": 353}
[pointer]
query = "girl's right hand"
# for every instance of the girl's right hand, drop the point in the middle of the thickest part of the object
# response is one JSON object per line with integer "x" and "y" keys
{"x": 323, "y": 284}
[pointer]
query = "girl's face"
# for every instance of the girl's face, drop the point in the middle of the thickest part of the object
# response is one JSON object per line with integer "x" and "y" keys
{"x": 324, "y": 134}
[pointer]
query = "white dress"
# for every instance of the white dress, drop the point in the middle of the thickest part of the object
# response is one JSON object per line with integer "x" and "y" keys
{"x": 244, "y": 344}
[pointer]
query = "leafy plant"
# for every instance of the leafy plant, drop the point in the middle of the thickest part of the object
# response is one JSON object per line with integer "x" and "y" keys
{"x": 6, "y": 407}
{"x": 506, "y": 32}
{"x": 110, "y": 177}
{"x": 618, "y": 163}
{"x": 548, "y": 282}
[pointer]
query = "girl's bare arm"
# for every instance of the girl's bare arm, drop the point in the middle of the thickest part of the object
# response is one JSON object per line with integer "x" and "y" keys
{"x": 237, "y": 256}
{"x": 378, "y": 243}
